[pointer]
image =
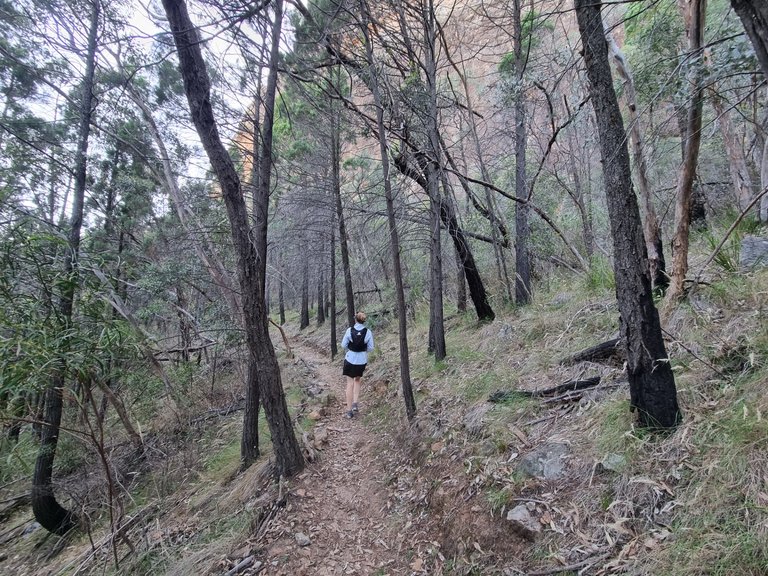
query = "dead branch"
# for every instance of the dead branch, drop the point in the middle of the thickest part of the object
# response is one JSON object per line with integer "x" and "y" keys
{"x": 568, "y": 387}
{"x": 603, "y": 351}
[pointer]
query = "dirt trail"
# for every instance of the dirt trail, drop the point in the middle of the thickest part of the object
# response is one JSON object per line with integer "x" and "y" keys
{"x": 346, "y": 502}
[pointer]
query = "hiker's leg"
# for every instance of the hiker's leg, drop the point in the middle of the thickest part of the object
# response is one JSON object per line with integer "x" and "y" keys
{"x": 350, "y": 390}
{"x": 356, "y": 391}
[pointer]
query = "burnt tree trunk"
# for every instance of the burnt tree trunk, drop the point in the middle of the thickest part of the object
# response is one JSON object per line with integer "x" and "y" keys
{"x": 652, "y": 384}
{"x": 250, "y": 248}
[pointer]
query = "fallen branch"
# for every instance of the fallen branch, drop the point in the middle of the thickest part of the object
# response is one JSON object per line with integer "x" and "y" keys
{"x": 591, "y": 561}
{"x": 240, "y": 566}
{"x": 570, "y": 386}
{"x": 602, "y": 351}
{"x": 225, "y": 411}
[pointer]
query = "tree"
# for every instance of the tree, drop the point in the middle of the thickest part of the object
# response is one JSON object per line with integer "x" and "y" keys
{"x": 522, "y": 228}
{"x": 402, "y": 324}
{"x": 696, "y": 11}
{"x": 48, "y": 512}
{"x": 651, "y": 226}
{"x": 652, "y": 386}
{"x": 264, "y": 373}
{"x": 754, "y": 16}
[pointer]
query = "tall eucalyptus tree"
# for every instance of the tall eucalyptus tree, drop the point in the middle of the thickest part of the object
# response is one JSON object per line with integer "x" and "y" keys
{"x": 264, "y": 379}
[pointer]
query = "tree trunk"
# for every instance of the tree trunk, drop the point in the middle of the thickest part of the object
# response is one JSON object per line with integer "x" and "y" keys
{"x": 405, "y": 370}
{"x": 651, "y": 227}
{"x": 250, "y": 248}
{"x": 47, "y": 510}
{"x": 754, "y": 16}
{"x": 436, "y": 321}
{"x": 737, "y": 160}
{"x": 697, "y": 10}
{"x": 304, "y": 309}
{"x": 321, "y": 290}
{"x": 461, "y": 285}
{"x": 652, "y": 385}
{"x": 332, "y": 287}
{"x": 495, "y": 222}
{"x": 336, "y": 186}
{"x": 448, "y": 217}
{"x": 522, "y": 210}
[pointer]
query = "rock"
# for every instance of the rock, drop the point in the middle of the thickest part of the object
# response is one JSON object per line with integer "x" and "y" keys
{"x": 546, "y": 462}
{"x": 754, "y": 252}
{"x": 327, "y": 399}
{"x": 302, "y": 539}
{"x": 473, "y": 420}
{"x": 612, "y": 463}
{"x": 34, "y": 527}
{"x": 316, "y": 415}
{"x": 523, "y": 522}
{"x": 313, "y": 389}
{"x": 560, "y": 299}
{"x": 321, "y": 436}
{"x": 506, "y": 332}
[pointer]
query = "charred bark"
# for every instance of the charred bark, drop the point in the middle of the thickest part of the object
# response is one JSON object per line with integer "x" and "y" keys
{"x": 652, "y": 386}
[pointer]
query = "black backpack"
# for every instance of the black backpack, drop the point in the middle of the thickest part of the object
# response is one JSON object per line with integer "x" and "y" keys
{"x": 357, "y": 340}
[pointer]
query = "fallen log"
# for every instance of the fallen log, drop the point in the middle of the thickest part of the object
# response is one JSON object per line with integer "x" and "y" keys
{"x": 565, "y": 387}
{"x": 225, "y": 411}
{"x": 610, "y": 350}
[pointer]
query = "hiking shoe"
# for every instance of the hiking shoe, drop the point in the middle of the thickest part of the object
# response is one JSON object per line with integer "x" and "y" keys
{"x": 348, "y": 414}
{"x": 355, "y": 408}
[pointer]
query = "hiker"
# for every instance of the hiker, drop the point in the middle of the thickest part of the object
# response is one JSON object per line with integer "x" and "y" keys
{"x": 357, "y": 341}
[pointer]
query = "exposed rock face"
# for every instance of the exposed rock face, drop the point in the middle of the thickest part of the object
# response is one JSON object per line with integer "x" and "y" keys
{"x": 754, "y": 252}
{"x": 546, "y": 462}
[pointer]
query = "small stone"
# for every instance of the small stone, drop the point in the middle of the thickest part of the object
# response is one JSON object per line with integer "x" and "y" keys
{"x": 315, "y": 415}
{"x": 302, "y": 539}
{"x": 31, "y": 528}
{"x": 437, "y": 446}
{"x": 546, "y": 462}
{"x": 321, "y": 436}
{"x": 523, "y": 522}
{"x": 612, "y": 463}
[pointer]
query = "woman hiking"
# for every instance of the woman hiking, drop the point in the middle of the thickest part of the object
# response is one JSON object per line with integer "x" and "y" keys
{"x": 357, "y": 341}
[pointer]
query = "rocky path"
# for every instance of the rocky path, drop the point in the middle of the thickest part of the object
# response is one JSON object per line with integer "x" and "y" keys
{"x": 344, "y": 513}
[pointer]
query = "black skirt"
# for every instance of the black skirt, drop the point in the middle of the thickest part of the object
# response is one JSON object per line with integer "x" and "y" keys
{"x": 353, "y": 370}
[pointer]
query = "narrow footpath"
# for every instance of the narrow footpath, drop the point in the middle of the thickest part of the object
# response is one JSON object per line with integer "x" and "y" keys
{"x": 345, "y": 513}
